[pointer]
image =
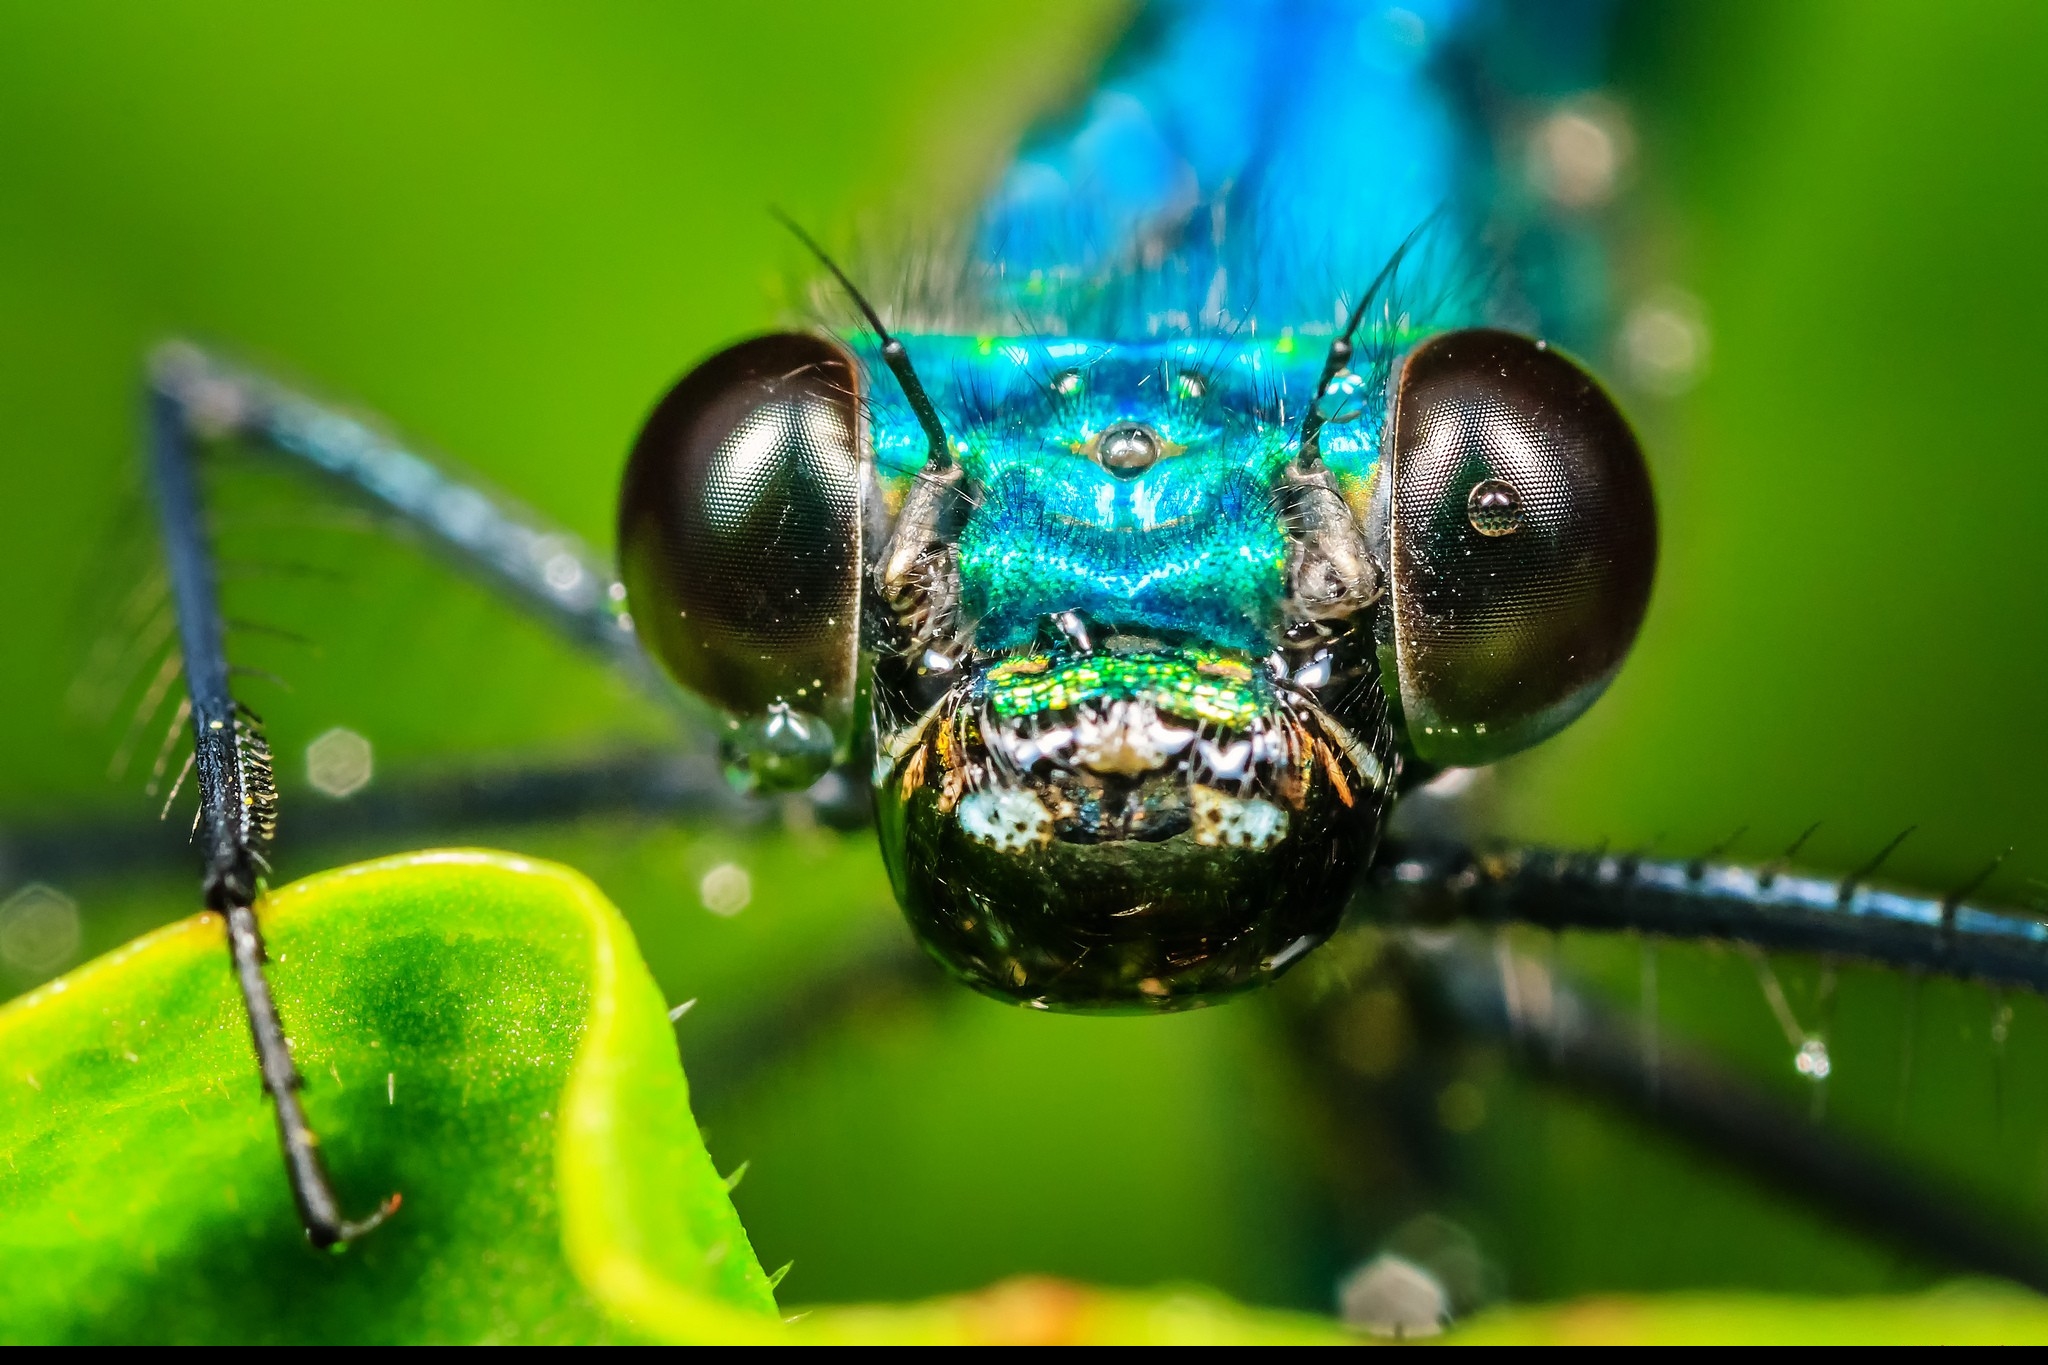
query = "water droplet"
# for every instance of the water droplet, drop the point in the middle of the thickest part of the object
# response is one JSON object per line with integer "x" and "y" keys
{"x": 783, "y": 749}
{"x": 1128, "y": 449}
{"x": 1494, "y": 508}
{"x": 1812, "y": 1060}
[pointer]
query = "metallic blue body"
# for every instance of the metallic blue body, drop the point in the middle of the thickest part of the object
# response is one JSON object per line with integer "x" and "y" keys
{"x": 1191, "y": 545}
{"x": 1260, "y": 160}
{"x": 1178, "y": 252}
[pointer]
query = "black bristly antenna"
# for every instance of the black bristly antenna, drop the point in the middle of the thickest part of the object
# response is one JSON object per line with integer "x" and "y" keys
{"x": 940, "y": 456}
{"x": 237, "y": 804}
{"x": 1340, "y": 349}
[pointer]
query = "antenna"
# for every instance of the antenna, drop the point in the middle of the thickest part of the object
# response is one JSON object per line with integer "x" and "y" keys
{"x": 940, "y": 456}
{"x": 1340, "y": 349}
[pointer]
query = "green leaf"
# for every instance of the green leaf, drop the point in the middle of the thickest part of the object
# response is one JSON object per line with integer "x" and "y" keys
{"x": 477, "y": 1033}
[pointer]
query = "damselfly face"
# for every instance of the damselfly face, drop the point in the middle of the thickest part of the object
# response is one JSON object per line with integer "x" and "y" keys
{"x": 1145, "y": 654}
{"x": 1131, "y": 747}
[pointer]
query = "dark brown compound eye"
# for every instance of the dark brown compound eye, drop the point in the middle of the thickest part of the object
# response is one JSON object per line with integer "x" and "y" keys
{"x": 1524, "y": 540}
{"x": 740, "y": 547}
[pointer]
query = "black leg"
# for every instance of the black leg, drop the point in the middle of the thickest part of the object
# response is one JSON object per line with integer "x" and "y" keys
{"x": 237, "y": 809}
{"x": 655, "y": 785}
{"x": 546, "y": 571}
{"x": 1424, "y": 882}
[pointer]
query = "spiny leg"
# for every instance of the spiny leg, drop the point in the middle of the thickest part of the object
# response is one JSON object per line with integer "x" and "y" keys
{"x": 675, "y": 786}
{"x": 1414, "y": 880}
{"x": 1424, "y": 881}
{"x": 547, "y": 572}
{"x": 237, "y": 809}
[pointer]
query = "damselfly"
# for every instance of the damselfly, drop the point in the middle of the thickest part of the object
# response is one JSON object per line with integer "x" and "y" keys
{"x": 1181, "y": 243}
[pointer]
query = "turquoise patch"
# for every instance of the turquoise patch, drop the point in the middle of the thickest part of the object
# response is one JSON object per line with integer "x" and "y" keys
{"x": 1193, "y": 546}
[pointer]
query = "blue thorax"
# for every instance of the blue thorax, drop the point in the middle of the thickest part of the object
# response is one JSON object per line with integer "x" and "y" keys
{"x": 1178, "y": 251}
{"x": 1192, "y": 546}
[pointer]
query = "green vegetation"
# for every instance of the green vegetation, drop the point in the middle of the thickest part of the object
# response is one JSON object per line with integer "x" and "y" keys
{"x": 506, "y": 227}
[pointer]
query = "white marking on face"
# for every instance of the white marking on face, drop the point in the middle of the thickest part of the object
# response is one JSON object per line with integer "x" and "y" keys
{"x": 1128, "y": 739}
{"x": 1026, "y": 749}
{"x": 1225, "y": 821}
{"x": 1010, "y": 821}
{"x": 1232, "y": 763}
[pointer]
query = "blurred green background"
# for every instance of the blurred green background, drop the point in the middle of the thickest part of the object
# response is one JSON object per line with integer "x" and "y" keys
{"x": 507, "y": 227}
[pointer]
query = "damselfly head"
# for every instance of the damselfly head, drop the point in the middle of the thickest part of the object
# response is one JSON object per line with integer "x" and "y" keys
{"x": 1146, "y": 649}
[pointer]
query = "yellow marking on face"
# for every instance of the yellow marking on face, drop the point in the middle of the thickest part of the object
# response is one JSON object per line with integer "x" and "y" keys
{"x": 1225, "y": 668}
{"x": 954, "y": 784}
{"x": 1015, "y": 668}
{"x": 913, "y": 771}
{"x": 1334, "y": 771}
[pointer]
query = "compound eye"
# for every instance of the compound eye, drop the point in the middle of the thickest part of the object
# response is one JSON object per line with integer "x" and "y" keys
{"x": 1524, "y": 539}
{"x": 740, "y": 547}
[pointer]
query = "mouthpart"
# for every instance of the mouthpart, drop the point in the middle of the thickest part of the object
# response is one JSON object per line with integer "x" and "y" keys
{"x": 1145, "y": 829}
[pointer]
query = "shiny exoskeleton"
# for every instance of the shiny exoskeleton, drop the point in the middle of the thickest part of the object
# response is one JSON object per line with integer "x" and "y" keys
{"x": 1144, "y": 666}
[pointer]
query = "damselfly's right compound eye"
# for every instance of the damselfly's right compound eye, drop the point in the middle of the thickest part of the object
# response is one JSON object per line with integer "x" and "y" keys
{"x": 1524, "y": 541}
{"x": 740, "y": 547}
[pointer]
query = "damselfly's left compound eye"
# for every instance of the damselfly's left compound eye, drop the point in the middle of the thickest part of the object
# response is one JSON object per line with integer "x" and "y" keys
{"x": 740, "y": 547}
{"x": 1524, "y": 541}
